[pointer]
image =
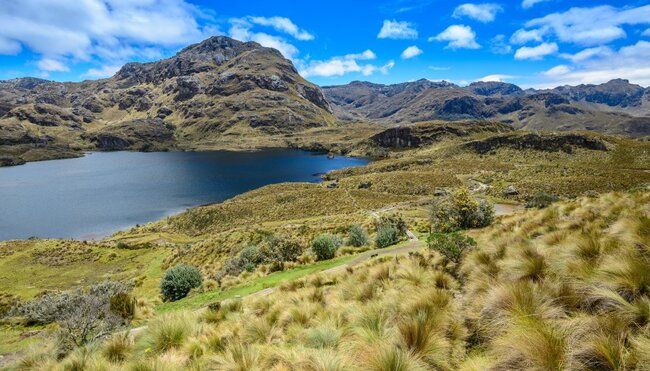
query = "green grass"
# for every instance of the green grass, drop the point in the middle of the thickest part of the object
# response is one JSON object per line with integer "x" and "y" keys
{"x": 14, "y": 339}
{"x": 271, "y": 280}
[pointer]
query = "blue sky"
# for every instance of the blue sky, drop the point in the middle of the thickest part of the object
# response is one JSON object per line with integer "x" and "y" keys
{"x": 533, "y": 43}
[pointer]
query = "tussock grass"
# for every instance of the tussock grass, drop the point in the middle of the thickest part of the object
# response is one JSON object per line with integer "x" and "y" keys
{"x": 543, "y": 290}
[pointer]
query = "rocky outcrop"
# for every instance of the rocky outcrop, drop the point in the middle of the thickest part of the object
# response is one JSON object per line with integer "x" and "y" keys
{"x": 427, "y": 133}
{"x": 538, "y": 142}
{"x": 142, "y": 134}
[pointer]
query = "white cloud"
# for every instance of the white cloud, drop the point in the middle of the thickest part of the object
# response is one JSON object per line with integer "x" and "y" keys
{"x": 522, "y": 36}
{"x": 241, "y": 29}
{"x": 629, "y": 62}
{"x": 530, "y": 3}
{"x": 646, "y": 33}
{"x": 498, "y": 45}
{"x": 481, "y": 12}
{"x": 104, "y": 71}
{"x": 283, "y": 24}
{"x": 9, "y": 47}
{"x": 366, "y": 55}
{"x": 559, "y": 70}
{"x": 497, "y": 78}
{"x": 437, "y": 68}
{"x": 590, "y": 26}
{"x": 339, "y": 66}
{"x": 397, "y": 30}
{"x": 80, "y": 30}
{"x": 411, "y": 51}
{"x": 51, "y": 65}
{"x": 536, "y": 52}
{"x": 458, "y": 37}
{"x": 589, "y": 53}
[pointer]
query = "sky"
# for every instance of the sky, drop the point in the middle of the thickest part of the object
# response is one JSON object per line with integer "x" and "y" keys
{"x": 531, "y": 43}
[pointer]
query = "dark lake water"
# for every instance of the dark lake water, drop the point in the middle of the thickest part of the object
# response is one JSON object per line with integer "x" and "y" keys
{"x": 103, "y": 192}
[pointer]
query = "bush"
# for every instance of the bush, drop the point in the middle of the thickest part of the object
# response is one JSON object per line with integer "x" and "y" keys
{"x": 357, "y": 236}
{"x": 392, "y": 221}
{"x": 178, "y": 281}
{"x": 541, "y": 200}
{"x": 53, "y": 307}
{"x": 450, "y": 245}
{"x": 123, "y": 305}
{"x": 324, "y": 246}
{"x": 460, "y": 211}
{"x": 386, "y": 236}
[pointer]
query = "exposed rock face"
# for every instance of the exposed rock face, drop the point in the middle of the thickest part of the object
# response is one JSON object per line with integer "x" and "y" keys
{"x": 608, "y": 108}
{"x": 427, "y": 133}
{"x": 211, "y": 92}
{"x": 142, "y": 134}
{"x": 539, "y": 142}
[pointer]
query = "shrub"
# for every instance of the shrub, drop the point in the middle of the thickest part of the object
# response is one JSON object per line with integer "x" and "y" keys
{"x": 53, "y": 307}
{"x": 123, "y": 305}
{"x": 450, "y": 245}
{"x": 357, "y": 236}
{"x": 541, "y": 200}
{"x": 178, "y": 281}
{"x": 393, "y": 221}
{"x": 324, "y": 246}
{"x": 460, "y": 211}
{"x": 386, "y": 236}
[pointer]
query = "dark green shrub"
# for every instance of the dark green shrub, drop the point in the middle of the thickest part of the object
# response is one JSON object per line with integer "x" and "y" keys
{"x": 324, "y": 246}
{"x": 460, "y": 211}
{"x": 386, "y": 236}
{"x": 450, "y": 245}
{"x": 394, "y": 221}
{"x": 541, "y": 200}
{"x": 357, "y": 236}
{"x": 178, "y": 281}
{"x": 123, "y": 304}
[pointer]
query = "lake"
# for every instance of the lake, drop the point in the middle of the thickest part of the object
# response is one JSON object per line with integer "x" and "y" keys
{"x": 93, "y": 196}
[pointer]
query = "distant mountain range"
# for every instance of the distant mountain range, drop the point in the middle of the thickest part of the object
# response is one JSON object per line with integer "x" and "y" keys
{"x": 226, "y": 94}
{"x": 616, "y": 107}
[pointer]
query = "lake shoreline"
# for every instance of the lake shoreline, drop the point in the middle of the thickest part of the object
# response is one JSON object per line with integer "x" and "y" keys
{"x": 102, "y": 193}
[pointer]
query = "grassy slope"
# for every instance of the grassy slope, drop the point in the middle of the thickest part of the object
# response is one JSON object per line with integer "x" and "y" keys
{"x": 560, "y": 288}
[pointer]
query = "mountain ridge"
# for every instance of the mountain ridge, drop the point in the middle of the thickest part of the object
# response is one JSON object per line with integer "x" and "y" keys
{"x": 615, "y": 107}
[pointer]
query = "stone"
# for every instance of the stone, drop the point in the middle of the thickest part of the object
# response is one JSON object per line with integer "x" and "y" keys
{"x": 510, "y": 191}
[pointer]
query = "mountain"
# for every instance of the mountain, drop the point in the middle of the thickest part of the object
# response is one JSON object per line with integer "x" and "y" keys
{"x": 616, "y": 107}
{"x": 220, "y": 93}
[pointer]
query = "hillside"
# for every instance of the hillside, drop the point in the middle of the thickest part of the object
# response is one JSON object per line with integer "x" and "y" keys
{"x": 616, "y": 107}
{"x": 220, "y": 93}
{"x": 560, "y": 288}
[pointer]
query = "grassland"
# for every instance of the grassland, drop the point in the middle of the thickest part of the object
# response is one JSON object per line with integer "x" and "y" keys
{"x": 528, "y": 248}
{"x": 564, "y": 287}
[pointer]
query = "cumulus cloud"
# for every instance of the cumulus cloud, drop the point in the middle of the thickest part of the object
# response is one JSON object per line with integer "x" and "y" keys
{"x": 411, "y": 51}
{"x": 629, "y": 62}
{"x": 339, "y": 66}
{"x": 51, "y": 65}
{"x": 588, "y": 26}
{"x": 243, "y": 29}
{"x": 559, "y": 70}
{"x": 80, "y": 30}
{"x": 282, "y": 24}
{"x": 458, "y": 37}
{"x": 646, "y": 33}
{"x": 397, "y": 30}
{"x": 481, "y": 12}
{"x": 104, "y": 71}
{"x": 498, "y": 45}
{"x": 522, "y": 36}
{"x": 526, "y": 4}
{"x": 497, "y": 78}
{"x": 588, "y": 53}
{"x": 536, "y": 52}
